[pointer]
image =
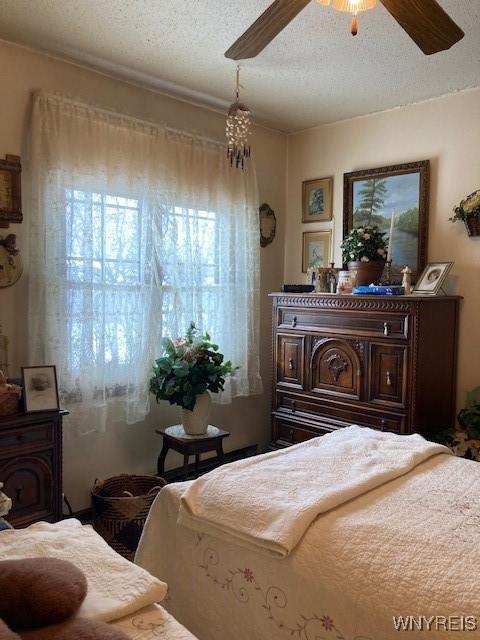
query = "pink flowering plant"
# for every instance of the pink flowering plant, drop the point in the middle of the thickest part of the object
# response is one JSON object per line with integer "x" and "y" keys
{"x": 188, "y": 366}
{"x": 364, "y": 244}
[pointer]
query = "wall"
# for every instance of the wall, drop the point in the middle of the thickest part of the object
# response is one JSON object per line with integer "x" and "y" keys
{"x": 447, "y": 132}
{"x": 133, "y": 448}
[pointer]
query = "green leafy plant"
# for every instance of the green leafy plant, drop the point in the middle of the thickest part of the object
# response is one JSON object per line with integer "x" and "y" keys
{"x": 468, "y": 208}
{"x": 364, "y": 243}
{"x": 464, "y": 439}
{"x": 189, "y": 366}
{"x": 469, "y": 416}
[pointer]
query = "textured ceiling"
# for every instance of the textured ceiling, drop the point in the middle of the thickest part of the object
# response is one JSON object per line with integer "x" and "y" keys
{"x": 314, "y": 72}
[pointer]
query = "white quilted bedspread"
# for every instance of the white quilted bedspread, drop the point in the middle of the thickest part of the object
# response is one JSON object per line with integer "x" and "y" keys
{"x": 116, "y": 587}
{"x": 152, "y": 623}
{"x": 247, "y": 501}
{"x": 410, "y": 547}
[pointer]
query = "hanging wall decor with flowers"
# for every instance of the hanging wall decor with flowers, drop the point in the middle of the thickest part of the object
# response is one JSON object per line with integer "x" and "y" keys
{"x": 469, "y": 212}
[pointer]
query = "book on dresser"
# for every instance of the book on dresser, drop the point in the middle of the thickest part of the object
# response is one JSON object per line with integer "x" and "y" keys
{"x": 31, "y": 466}
{"x": 384, "y": 362}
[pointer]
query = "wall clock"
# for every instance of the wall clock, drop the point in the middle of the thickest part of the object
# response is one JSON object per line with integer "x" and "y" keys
{"x": 10, "y": 262}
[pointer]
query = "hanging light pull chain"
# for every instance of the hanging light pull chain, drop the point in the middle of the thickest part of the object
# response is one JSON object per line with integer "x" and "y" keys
{"x": 354, "y": 25}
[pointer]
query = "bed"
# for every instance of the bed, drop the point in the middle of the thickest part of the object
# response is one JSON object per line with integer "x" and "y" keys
{"x": 407, "y": 543}
{"x": 119, "y": 592}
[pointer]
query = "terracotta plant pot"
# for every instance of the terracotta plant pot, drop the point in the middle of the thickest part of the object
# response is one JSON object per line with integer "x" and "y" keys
{"x": 195, "y": 422}
{"x": 367, "y": 272}
{"x": 473, "y": 226}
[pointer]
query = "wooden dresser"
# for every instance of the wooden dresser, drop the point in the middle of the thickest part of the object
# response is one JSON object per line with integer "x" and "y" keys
{"x": 383, "y": 362}
{"x": 31, "y": 466}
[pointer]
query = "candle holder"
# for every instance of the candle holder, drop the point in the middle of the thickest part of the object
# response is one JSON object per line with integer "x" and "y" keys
{"x": 388, "y": 272}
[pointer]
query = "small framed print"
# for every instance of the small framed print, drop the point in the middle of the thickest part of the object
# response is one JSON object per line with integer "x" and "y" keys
{"x": 432, "y": 278}
{"x": 10, "y": 190}
{"x": 316, "y": 249}
{"x": 40, "y": 389}
{"x": 317, "y": 198}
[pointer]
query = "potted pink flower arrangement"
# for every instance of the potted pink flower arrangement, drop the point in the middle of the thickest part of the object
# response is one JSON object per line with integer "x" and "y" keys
{"x": 190, "y": 368}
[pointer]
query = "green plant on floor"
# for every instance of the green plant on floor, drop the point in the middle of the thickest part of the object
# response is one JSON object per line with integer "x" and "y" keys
{"x": 464, "y": 440}
{"x": 469, "y": 416}
{"x": 189, "y": 366}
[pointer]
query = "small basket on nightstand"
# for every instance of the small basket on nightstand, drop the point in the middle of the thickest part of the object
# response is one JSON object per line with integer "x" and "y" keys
{"x": 9, "y": 397}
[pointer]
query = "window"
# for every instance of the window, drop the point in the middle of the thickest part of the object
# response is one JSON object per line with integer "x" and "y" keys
{"x": 136, "y": 230}
{"x": 103, "y": 248}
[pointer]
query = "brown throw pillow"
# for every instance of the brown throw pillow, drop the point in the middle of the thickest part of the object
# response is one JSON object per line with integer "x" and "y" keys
{"x": 39, "y": 591}
{"x": 75, "y": 629}
{"x": 6, "y": 633}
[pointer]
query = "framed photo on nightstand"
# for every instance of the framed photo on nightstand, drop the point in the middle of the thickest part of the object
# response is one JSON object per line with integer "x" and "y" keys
{"x": 40, "y": 389}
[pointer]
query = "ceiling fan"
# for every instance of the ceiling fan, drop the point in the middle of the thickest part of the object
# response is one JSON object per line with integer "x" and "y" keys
{"x": 429, "y": 26}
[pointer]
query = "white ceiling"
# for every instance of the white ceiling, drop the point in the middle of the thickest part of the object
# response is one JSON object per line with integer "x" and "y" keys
{"x": 314, "y": 72}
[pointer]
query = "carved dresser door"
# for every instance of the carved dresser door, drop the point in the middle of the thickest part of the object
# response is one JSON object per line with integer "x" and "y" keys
{"x": 335, "y": 368}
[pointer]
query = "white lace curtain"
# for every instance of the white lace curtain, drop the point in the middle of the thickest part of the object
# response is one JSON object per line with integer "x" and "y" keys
{"x": 135, "y": 230}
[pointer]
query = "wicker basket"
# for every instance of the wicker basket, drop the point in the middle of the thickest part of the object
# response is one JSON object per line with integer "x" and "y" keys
{"x": 8, "y": 403}
{"x": 473, "y": 226}
{"x": 120, "y": 507}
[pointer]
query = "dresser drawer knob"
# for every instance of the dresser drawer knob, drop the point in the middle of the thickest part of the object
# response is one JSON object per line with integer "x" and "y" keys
{"x": 18, "y": 493}
{"x": 388, "y": 379}
{"x": 294, "y": 406}
{"x": 291, "y": 364}
{"x": 292, "y": 436}
{"x": 383, "y": 425}
{"x": 386, "y": 329}
{"x": 294, "y": 321}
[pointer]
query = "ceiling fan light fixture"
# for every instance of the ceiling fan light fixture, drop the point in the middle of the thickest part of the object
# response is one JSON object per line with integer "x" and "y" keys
{"x": 351, "y": 6}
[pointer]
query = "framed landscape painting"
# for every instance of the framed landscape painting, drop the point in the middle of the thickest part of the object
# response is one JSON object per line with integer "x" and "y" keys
{"x": 317, "y": 199}
{"x": 316, "y": 249}
{"x": 375, "y": 196}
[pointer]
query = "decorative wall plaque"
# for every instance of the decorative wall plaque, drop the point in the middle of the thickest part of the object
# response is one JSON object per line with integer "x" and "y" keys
{"x": 268, "y": 224}
{"x": 10, "y": 190}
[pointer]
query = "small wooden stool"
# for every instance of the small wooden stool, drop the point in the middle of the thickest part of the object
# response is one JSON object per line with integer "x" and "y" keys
{"x": 175, "y": 438}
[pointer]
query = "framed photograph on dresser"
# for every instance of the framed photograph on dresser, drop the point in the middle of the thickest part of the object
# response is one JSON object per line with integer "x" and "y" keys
{"x": 432, "y": 278}
{"x": 40, "y": 389}
{"x": 395, "y": 199}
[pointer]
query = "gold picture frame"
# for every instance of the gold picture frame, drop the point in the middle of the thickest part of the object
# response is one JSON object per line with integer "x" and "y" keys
{"x": 373, "y": 196}
{"x": 316, "y": 249}
{"x": 317, "y": 200}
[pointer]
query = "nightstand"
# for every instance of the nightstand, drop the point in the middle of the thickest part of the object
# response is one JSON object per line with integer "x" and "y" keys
{"x": 175, "y": 438}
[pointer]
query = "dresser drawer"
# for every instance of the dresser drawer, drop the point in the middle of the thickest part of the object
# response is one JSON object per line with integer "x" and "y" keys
{"x": 335, "y": 416}
{"x": 292, "y": 433}
{"x": 26, "y": 438}
{"x": 389, "y": 325}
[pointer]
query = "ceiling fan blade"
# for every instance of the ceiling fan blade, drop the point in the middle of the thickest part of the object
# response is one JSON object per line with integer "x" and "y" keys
{"x": 265, "y": 28}
{"x": 429, "y": 26}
